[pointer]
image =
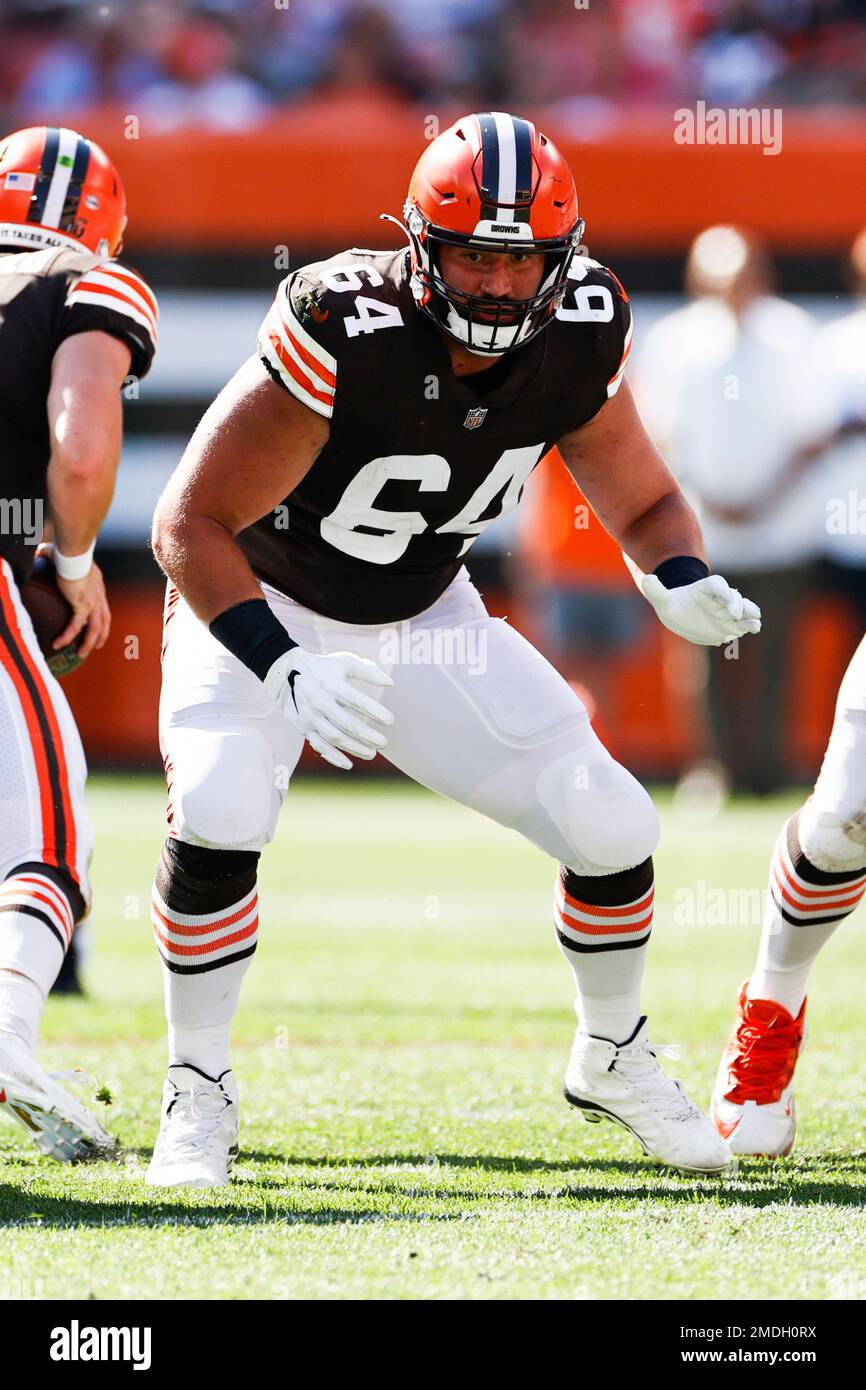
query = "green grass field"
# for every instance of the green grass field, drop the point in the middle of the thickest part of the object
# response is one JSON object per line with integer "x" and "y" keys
{"x": 400, "y": 1048}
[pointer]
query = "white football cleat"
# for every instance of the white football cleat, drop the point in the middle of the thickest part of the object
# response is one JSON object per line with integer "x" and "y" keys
{"x": 626, "y": 1085}
{"x": 58, "y": 1124}
{"x": 753, "y": 1102}
{"x": 198, "y": 1136}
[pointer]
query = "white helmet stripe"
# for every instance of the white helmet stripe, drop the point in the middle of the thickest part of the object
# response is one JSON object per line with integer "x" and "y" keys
{"x": 59, "y": 185}
{"x": 507, "y": 190}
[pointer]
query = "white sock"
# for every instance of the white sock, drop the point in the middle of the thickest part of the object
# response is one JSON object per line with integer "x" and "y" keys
{"x": 803, "y": 911}
{"x": 205, "y": 956}
{"x": 595, "y": 912}
{"x": 205, "y": 1047}
{"x": 21, "y": 1005}
{"x": 613, "y": 1016}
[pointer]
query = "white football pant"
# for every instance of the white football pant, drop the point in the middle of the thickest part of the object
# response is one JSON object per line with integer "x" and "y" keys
{"x": 480, "y": 717}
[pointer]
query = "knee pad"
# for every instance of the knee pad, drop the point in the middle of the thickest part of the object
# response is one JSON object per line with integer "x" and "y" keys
{"x": 606, "y": 818}
{"x": 224, "y": 792}
{"x": 64, "y": 882}
{"x": 195, "y": 880}
{"x": 831, "y": 840}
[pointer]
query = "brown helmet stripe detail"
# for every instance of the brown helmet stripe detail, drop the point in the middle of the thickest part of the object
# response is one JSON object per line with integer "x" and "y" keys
{"x": 46, "y": 173}
{"x": 80, "y": 165}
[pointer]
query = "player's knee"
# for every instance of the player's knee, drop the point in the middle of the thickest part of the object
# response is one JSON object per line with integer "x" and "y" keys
{"x": 831, "y": 840}
{"x": 231, "y": 802}
{"x": 193, "y": 875}
{"x": 612, "y": 822}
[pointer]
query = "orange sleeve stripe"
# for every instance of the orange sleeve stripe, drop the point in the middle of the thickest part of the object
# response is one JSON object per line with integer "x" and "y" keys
{"x": 134, "y": 283}
{"x": 305, "y": 355}
{"x": 291, "y": 366}
{"x": 84, "y": 288}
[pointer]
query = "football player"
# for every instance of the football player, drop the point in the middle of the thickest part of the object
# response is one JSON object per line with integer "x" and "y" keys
{"x": 74, "y": 325}
{"x": 817, "y": 877}
{"x": 314, "y": 536}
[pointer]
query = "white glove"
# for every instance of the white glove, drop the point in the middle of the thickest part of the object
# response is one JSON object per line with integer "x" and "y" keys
{"x": 708, "y": 612}
{"x": 317, "y": 696}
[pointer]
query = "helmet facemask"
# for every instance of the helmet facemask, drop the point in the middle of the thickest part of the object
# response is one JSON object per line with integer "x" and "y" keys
{"x": 487, "y": 326}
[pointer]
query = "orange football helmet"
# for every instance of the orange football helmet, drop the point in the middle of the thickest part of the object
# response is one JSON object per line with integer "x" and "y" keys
{"x": 59, "y": 189}
{"x": 492, "y": 182}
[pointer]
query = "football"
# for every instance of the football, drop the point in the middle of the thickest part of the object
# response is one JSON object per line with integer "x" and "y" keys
{"x": 50, "y": 612}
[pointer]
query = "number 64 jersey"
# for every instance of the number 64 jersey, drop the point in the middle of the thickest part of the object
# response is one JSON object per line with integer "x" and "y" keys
{"x": 418, "y": 461}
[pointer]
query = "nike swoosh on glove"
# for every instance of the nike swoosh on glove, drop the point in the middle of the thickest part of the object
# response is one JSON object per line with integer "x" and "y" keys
{"x": 318, "y": 696}
{"x": 708, "y": 612}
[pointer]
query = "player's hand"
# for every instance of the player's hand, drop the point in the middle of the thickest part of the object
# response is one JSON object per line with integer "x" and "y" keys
{"x": 90, "y": 611}
{"x": 708, "y": 612}
{"x": 319, "y": 696}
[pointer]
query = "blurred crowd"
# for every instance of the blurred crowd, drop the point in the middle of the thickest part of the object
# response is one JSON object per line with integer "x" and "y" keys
{"x": 225, "y": 63}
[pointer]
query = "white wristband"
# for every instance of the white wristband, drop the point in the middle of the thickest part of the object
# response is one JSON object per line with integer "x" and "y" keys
{"x": 74, "y": 566}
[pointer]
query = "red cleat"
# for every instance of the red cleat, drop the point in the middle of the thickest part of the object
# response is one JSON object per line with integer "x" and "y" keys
{"x": 753, "y": 1101}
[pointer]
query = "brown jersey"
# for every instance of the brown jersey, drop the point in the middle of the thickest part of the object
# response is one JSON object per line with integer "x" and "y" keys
{"x": 419, "y": 460}
{"x": 46, "y": 297}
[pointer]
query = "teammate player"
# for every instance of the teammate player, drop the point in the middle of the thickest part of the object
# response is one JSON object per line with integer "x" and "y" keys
{"x": 817, "y": 877}
{"x": 315, "y": 530}
{"x": 74, "y": 324}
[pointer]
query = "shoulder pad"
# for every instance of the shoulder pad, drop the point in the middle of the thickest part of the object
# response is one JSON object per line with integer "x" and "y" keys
{"x": 317, "y": 313}
{"x": 109, "y": 284}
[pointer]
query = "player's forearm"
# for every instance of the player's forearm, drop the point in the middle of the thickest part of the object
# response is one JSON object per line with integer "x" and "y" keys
{"x": 80, "y": 490}
{"x": 668, "y": 528}
{"x": 204, "y": 561}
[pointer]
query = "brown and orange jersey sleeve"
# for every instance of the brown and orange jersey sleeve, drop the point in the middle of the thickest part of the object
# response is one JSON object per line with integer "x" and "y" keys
{"x": 114, "y": 299}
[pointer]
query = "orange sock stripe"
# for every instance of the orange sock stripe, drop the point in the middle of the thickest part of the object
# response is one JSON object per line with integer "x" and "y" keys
{"x": 831, "y": 891}
{"x": 819, "y": 908}
{"x": 624, "y": 910}
{"x": 202, "y": 929}
{"x": 27, "y": 894}
{"x": 46, "y": 886}
{"x": 205, "y": 950}
{"x": 604, "y": 928}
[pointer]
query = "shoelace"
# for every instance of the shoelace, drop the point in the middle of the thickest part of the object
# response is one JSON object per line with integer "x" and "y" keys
{"x": 640, "y": 1065}
{"x": 761, "y": 1061}
{"x": 193, "y": 1120}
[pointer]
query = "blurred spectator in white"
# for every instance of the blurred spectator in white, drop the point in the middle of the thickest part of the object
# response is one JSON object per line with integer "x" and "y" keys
{"x": 839, "y": 487}
{"x": 727, "y": 388}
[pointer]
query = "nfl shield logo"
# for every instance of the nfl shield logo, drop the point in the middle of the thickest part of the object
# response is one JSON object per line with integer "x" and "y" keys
{"x": 475, "y": 417}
